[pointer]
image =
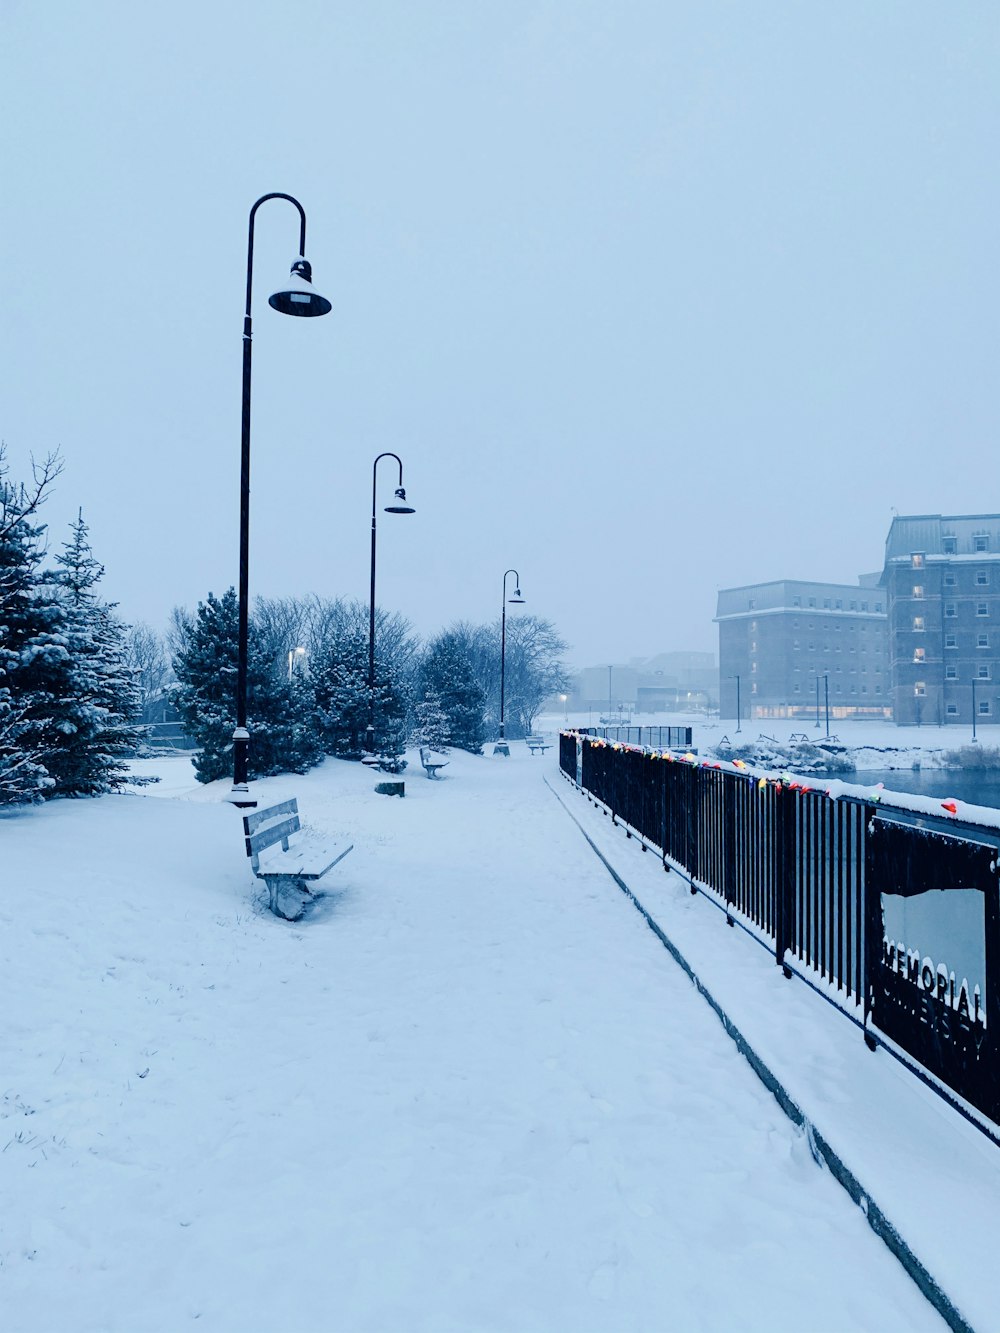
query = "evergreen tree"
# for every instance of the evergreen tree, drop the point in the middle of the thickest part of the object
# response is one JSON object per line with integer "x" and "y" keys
{"x": 341, "y": 685}
{"x": 431, "y": 726}
{"x": 280, "y": 713}
{"x": 33, "y": 656}
{"x": 448, "y": 673}
{"x": 93, "y": 714}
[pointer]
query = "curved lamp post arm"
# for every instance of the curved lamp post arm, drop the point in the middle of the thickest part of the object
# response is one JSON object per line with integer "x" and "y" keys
{"x": 241, "y": 737}
{"x": 370, "y": 730}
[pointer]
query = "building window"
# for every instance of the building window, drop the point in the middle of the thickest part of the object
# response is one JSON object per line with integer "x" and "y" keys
{"x": 796, "y": 688}
{"x": 853, "y": 606}
{"x": 864, "y": 689}
{"x": 796, "y": 601}
{"x": 753, "y": 687}
{"x": 826, "y": 602}
{"x": 950, "y": 641}
{"x": 878, "y": 689}
{"x": 982, "y": 578}
{"x": 918, "y": 591}
{"x": 864, "y": 606}
{"x": 751, "y": 603}
{"x": 982, "y": 640}
{"x": 753, "y": 666}
{"x": 795, "y": 645}
{"x": 812, "y": 601}
{"x": 839, "y": 604}
{"x": 878, "y": 606}
{"x": 951, "y": 710}
{"x": 951, "y": 580}
{"x": 917, "y": 560}
{"x": 753, "y": 645}
{"x": 950, "y": 609}
{"x": 919, "y": 654}
{"x": 951, "y": 671}
{"x": 983, "y": 671}
{"x": 981, "y": 542}
{"x": 918, "y": 624}
{"x": 950, "y": 545}
{"x": 812, "y": 647}
{"x": 753, "y": 627}
{"x": 920, "y": 689}
{"x": 984, "y": 707}
{"x": 982, "y": 608}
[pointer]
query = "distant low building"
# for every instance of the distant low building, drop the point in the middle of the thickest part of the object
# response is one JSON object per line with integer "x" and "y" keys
{"x": 668, "y": 682}
{"x": 784, "y": 645}
{"x": 942, "y": 583}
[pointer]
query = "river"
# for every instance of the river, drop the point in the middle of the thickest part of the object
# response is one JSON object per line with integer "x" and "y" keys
{"x": 980, "y": 786}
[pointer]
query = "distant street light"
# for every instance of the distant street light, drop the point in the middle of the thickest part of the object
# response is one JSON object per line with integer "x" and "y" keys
{"x": 398, "y": 506}
{"x": 297, "y": 297}
{"x": 501, "y": 746}
{"x": 739, "y": 707}
{"x": 293, "y": 653}
{"x": 565, "y": 704}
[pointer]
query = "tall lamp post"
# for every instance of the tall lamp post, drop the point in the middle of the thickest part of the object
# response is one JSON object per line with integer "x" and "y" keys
{"x": 974, "y": 710}
{"x": 501, "y": 746}
{"x": 399, "y": 506}
{"x": 739, "y": 708}
{"x": 297, "y": 297}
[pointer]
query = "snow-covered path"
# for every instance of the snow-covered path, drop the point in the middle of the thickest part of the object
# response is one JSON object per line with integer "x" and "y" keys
{"x": 470, "y": 1092}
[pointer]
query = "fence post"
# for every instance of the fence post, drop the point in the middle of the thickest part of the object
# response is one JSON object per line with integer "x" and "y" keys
{"x": 992, "y": 985}
{"x": 785, "y": 847}
{"x": 872, "y": 952}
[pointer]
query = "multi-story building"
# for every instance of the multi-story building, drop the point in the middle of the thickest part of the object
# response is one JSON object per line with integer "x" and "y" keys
{"x": 789, "y": 646}
{"x": 942, "y": 583}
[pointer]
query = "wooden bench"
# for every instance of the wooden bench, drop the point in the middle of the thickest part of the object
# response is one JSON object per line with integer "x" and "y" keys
{"x": 537, "y": 743}
{"x": 430, "y": 763}
{"x": 288, "y": 866}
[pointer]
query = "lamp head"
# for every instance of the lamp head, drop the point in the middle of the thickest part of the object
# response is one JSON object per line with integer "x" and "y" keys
{"x": 399, "y": 505}
{"x": 297, "y": 297}
{"x": 517, "y": 598}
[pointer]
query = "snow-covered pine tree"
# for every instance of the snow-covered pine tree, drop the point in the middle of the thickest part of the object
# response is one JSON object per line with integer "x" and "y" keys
{"x": 430, "y": 724}
{"x": 340, "y": 680}
{"x": 448, "y": 672}
{"x": 94, "y": 720}
{"x": 31, "y": 651}
{"x": 280, "y": 713}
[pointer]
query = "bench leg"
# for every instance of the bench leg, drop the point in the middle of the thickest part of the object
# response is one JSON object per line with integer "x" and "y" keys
{"x": 278, "y": 887}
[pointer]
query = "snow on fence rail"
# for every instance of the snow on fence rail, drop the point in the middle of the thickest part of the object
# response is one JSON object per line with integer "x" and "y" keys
{"x": 884, "y": 903}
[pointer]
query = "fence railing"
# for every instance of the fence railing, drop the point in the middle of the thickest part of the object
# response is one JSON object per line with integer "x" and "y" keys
{"x": 657, "y": 738}
{"x": 893, "y": 916}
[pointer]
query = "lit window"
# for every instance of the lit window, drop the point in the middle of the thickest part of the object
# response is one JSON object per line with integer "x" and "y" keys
{"x": 918, "y": 623}
{"x": 917, "y": 560}
{"x": 982, "y": 578}
{"x": 920, "y": 689}
{"x": 981, "y": 542}
{"x": 951, "y": 671}
{"x": 950, "y": 609}
{"x": 918, "y": 591}
{"x": 919, "y": 654}
{"x": 982, "y": 608}
{"x": 983, "y": 671}
{"x": 982, "y": 640}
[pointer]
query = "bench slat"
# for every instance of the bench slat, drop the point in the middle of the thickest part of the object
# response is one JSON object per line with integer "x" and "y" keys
{"x": 255, "y": 818}
{"x": 272, "y": 833}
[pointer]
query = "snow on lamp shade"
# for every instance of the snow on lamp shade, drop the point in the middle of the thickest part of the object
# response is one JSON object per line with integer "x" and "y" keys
{"x": 297, "y": 296}
{"x": 517, "y": 597}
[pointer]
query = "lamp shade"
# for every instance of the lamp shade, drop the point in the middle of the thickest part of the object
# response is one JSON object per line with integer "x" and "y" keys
{"x": 297, "y": 296}
{"x": 517, "y": 598}
{"x": 399, "y": 505}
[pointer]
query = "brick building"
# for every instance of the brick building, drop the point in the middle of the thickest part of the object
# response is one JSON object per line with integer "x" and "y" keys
{"x": 782, "y": 638}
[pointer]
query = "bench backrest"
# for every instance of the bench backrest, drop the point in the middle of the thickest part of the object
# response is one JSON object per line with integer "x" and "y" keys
{"x": 263, "y": 828}
{"x": 431, "y": 757}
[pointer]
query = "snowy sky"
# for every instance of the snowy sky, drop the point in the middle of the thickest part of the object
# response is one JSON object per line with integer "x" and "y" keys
{"x": 651, "y": 298}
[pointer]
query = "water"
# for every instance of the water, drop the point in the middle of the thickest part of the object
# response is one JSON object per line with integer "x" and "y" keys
{"x": 981, "y": 787}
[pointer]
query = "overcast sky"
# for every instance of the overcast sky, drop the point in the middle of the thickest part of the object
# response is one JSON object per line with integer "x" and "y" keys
{"x": 652, "y": 298}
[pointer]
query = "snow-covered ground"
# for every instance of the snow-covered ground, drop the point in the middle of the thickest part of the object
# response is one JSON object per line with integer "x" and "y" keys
{"x": 470, "y": 1091}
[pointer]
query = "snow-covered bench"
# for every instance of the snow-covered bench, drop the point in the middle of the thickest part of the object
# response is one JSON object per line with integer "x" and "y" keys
{"x": 537, "y": 743}
{"x": 431, "y": 761}
{"x": 288, "y": 866}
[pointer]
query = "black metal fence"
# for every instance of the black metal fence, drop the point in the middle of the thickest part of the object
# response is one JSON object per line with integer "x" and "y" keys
{"x": 894, "y": 917}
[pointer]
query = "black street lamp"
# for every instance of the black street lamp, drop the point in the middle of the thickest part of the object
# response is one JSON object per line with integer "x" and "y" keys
{"x": 399, "y": 506}
{"x": 739, "y": 709}
{"x": 501, "y": 746}
{"x": 974, "y": 710}
{"x": 826, "y": 702}
{"x": 295, "y": 298}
